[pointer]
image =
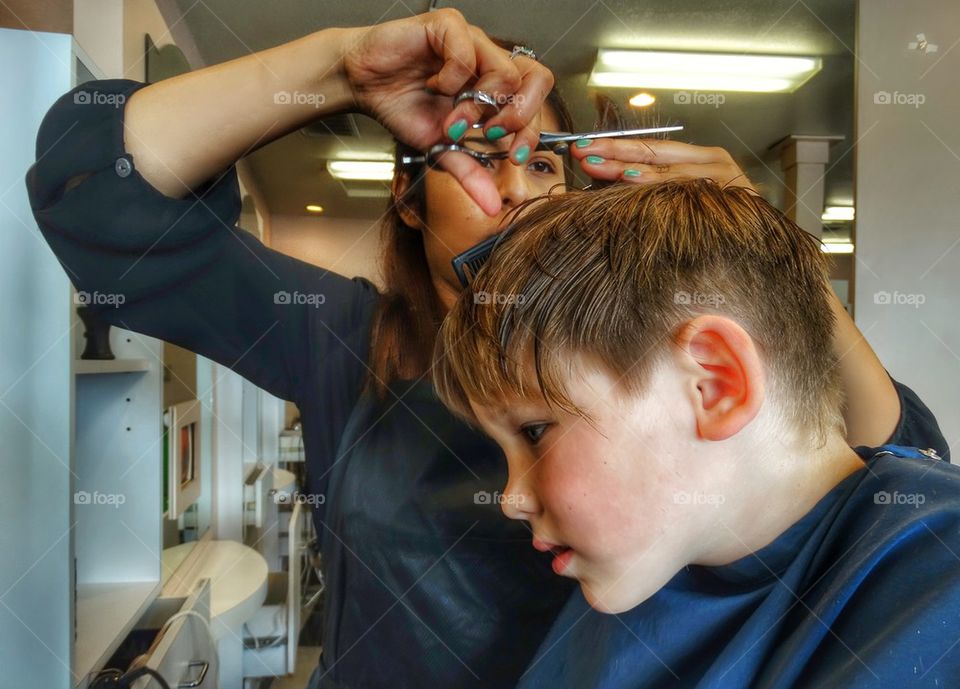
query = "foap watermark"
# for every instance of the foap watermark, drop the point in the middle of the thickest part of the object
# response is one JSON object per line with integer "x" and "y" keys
{"x": 83, "y": 97}
{"x": 683, "y": 497}
{"x": 284, "y": 497}
{"x": 897, "y": 98}
{"x": 899, "y": 299}
{"x": 296, "y": 298}
{"x": 482, "y": 297}
{"x": 698, "y": 298}
{"x": 882, "y": 497}
{"x": 485, "y": 497}
{"x": 299, "y": 98}
{"x": 698, "y": 98}
{"x": 84, "y": 497}
{"x": 501, "y": 99}
{"x": 99, "y": 299}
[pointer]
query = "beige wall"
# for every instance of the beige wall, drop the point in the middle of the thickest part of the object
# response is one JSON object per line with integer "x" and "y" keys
{"x": 907, "y": 172}
{"x": 141, "y": 17}
{"x": 55, "y": 16}
{"x": 346, "y": 246}
{"x": 98, "y": 23}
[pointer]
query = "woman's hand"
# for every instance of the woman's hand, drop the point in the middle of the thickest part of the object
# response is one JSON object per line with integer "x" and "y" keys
{"x": 406, "y": 73}
{"x": 646, "y": 161}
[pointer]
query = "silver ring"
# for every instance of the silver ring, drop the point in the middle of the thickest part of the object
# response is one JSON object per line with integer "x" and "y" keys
{"x": 478, "y": 97}
{"x": 522, "y": 50}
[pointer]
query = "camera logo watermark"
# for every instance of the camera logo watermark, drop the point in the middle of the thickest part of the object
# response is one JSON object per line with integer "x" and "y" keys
{"x": 683, "y": 497}
{"x": 899, "y": 299}
{"x": 83, "y": 497}
{"x": 698, "y": 98}
{"x": 897, "y": 498}
{"x": 498, "y": 298}
{"x": 97, "y": 98}
{"x": 698, "y": 298}
{"x": 283, "y": 497}
{"x": 98, "y": 299}
{"x": 485, "y": 497}
{"x": 298, "y": 298}
{"x": 897, "y": 98}
{"x": 299, "y": 98}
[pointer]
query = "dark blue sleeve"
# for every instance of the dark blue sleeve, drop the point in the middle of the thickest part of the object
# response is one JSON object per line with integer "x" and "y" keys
{"x": 917, "y": 426}
{"x": 179, "y": 269}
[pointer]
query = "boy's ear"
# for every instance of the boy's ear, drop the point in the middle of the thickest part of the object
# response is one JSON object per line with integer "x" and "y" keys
{"x": 725, "y": 374}
{"x": 399, "y": 188}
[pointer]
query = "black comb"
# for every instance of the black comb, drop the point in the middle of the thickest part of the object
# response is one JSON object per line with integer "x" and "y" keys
{"x": 466, "y": 264}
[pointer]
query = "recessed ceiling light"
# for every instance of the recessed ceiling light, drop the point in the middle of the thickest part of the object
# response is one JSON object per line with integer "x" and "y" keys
{"x": 642, "y": 100}
{"x": 314, "y": 208}
{"x": 702, "y": 71}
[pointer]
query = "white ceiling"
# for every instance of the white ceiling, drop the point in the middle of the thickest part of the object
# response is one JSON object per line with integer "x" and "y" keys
{"x": 566, "y": 34}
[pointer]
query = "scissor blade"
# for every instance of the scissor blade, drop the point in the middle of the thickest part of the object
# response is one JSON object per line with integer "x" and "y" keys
{"x": 556, "y": 138}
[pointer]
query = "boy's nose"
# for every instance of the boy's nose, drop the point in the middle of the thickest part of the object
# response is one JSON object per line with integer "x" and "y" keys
{"x": 519, "y": 501}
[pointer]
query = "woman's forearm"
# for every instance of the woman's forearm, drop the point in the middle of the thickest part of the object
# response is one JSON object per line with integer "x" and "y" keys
{"x": 872, "y": 407}
{"x": 184, "y": 130}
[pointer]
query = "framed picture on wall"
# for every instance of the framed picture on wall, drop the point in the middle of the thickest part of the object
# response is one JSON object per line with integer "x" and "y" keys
{"x": 183, "y": 460}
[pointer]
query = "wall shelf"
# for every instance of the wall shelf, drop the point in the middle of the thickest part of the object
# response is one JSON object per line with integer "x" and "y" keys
{"x": 92, "y": 366}
{"x": 106, "y": 613}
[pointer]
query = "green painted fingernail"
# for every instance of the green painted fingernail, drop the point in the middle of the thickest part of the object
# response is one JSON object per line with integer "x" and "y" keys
{"x": 583, "y": 143}
{"x": 457, "y": 129}
{"x": 594, "y": 160}
{"x": 495, "y": 133}
{"x": 631, "y": 173}
{"x": 522, "y": 154}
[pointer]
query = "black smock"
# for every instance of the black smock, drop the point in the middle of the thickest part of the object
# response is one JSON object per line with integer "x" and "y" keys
{"x": 429, "y": 585}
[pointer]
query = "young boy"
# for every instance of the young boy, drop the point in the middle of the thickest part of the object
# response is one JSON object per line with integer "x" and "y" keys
{"x": 655, "y": 362}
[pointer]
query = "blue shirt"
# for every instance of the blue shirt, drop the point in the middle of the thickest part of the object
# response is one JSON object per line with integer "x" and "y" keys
{"x": 862, "y": 591}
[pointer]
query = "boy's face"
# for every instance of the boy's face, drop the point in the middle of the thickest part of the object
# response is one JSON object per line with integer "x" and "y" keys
{"x": 612, "y": 501}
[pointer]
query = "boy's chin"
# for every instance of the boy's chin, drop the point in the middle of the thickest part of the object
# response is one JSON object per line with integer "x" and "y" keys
{"x": 612, "y": 600}
{"x": 623, "y": 587}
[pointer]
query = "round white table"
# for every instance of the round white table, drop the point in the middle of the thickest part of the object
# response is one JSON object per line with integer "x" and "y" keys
{"x": 238, "y": 588}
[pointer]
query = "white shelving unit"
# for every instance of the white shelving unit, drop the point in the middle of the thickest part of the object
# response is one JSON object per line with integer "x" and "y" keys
{"x": 117, "y": 472}
{"x": 80, "y": 498}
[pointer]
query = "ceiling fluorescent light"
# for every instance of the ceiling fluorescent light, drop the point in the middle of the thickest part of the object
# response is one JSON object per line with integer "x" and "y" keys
{"x": 836, "y": 247}
{"x": 838, "y": 214}
{"x": 702, "y": 71}
{"x": 361, "y": 169}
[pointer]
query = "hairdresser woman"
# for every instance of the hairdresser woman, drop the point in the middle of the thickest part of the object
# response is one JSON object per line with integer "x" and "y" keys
{"x": 428, "y": 585}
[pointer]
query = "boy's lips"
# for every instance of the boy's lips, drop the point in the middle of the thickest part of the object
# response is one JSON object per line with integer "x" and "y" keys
{"x": 562, "y": 554}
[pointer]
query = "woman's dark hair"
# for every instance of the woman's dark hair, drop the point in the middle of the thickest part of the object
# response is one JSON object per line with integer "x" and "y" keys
{"x": 409, "y": 314}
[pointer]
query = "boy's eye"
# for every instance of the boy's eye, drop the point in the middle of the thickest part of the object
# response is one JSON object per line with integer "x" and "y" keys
{"x": 533, "y": 432}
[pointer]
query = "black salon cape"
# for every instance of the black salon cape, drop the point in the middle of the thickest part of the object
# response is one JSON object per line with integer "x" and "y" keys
{"x": 429, "y": 586}
{"x": 862, "y": 591}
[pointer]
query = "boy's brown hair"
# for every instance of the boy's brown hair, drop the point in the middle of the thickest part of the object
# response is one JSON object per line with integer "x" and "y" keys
{"x": 613, "y": 274}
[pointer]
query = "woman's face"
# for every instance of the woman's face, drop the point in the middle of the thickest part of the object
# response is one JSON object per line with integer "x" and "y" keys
{"x": 453, "y": 222}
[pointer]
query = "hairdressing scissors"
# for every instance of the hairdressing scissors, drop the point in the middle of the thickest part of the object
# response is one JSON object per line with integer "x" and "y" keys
{"x": 556, "y": 142}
